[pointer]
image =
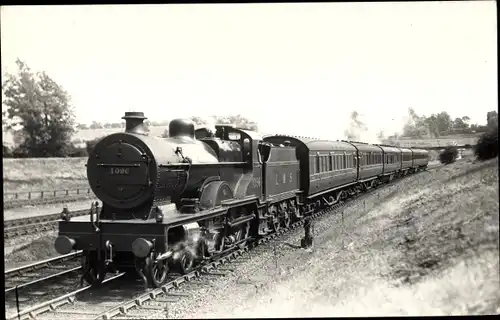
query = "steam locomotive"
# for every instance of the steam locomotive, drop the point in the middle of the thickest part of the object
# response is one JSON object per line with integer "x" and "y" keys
{"x": 170, "y": 203}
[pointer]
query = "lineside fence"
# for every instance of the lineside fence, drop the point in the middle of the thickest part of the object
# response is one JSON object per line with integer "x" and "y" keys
{"x": 47, "y": 194}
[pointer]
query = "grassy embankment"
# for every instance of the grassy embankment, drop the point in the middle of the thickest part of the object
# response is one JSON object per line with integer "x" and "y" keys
{"x": 44, "y": 174}
{"x": 431, "y": 248}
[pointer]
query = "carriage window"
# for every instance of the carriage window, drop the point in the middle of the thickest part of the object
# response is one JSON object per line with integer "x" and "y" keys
{"x": 312, "y": 163}
{"x": 330, "y": 162}
{"x": 317, "y": 164}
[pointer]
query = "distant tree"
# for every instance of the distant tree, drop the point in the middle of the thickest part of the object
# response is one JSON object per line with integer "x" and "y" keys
{"x": 198, "y": 121}
{"x": 107, "y": 126}
{"x": 81, "y": 126}
{"x": 444, "y": 123}
{"x": 475, "y": 128}
{"x": 95, "y": 125}
{"x": 492, "y": 120}
{"x": 416, "y": 126}
{"x": 116, "y": 125}
{"x": 239, "y": 121}
{"x": 40, "y": 108}
{"x": 460, "y": 126}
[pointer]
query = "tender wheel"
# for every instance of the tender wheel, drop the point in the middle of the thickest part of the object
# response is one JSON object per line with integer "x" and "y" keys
{"x": 94, "y": 270}
{"x": 157, "y": 272}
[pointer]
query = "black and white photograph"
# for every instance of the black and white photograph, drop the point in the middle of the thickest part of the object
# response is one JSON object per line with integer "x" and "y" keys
{"x": 250, "y": 160}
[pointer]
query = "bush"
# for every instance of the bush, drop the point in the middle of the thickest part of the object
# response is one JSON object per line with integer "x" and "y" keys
{"x": 487, "y": 145}
{"x": 7, "y": 153}
{"x": 91, "y": 144}
{"x": 449, "y": 155}
{"x": 78, "y": 152}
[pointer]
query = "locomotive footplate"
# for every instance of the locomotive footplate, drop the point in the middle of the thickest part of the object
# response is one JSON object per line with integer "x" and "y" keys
{"x": 80, "y": 234}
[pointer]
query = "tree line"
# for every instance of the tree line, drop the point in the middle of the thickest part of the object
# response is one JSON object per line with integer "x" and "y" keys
{"x": 38, "y": 113}
{"x": 441, "y": 124}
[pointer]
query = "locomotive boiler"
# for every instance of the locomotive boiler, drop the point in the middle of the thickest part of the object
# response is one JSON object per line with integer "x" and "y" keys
{"x": 166, "y": 202}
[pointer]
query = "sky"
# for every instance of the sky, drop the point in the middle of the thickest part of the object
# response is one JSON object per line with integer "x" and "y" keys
{"x": 297, "y": 68}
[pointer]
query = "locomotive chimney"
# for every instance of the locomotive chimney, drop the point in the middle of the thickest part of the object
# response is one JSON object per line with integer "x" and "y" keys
{"x": 134, "y": 122}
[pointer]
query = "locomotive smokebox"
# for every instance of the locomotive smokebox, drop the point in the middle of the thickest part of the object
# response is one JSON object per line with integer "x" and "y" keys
{"x": 134, "y": 122}
{"x": 181, "y": 128}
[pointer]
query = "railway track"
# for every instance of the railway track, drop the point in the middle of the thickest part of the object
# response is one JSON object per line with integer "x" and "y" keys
{"x": 105, "y": 305}
{"x": 109, "y": 302}
{"x": 32, "y": 225}
{"x": 23, "y": 284}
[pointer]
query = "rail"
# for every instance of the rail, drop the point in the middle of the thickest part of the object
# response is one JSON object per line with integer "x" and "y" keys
{"x": 42, "y": 264}
{"x": 31, "y": 225}
{"x": 44, "y": 194}
{"x": 25, "y": 276}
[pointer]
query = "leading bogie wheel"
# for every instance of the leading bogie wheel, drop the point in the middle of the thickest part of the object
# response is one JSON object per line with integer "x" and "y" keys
{"x": 157, "y": 271}
{"x": 94, "y": 270}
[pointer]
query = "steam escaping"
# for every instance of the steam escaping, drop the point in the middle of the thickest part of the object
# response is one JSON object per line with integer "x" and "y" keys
{"x": 358, "y": 130}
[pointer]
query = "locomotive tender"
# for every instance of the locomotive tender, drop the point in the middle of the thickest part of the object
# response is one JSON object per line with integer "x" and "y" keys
{"x": 169, "y": 203}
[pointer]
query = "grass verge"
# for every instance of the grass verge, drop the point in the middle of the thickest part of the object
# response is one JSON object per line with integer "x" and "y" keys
{"x": 429, "y": 249}
{"x": 30, "y": 249}
{"x": 44, "y": 174}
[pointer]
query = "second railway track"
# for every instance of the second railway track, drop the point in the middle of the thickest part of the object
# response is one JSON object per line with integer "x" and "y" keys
{"x": 32, "y": 225}
{"x": 24, "y": 284}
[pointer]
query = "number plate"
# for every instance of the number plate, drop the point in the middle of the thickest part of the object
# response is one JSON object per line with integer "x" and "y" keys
{"x": 116, "y": 171}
